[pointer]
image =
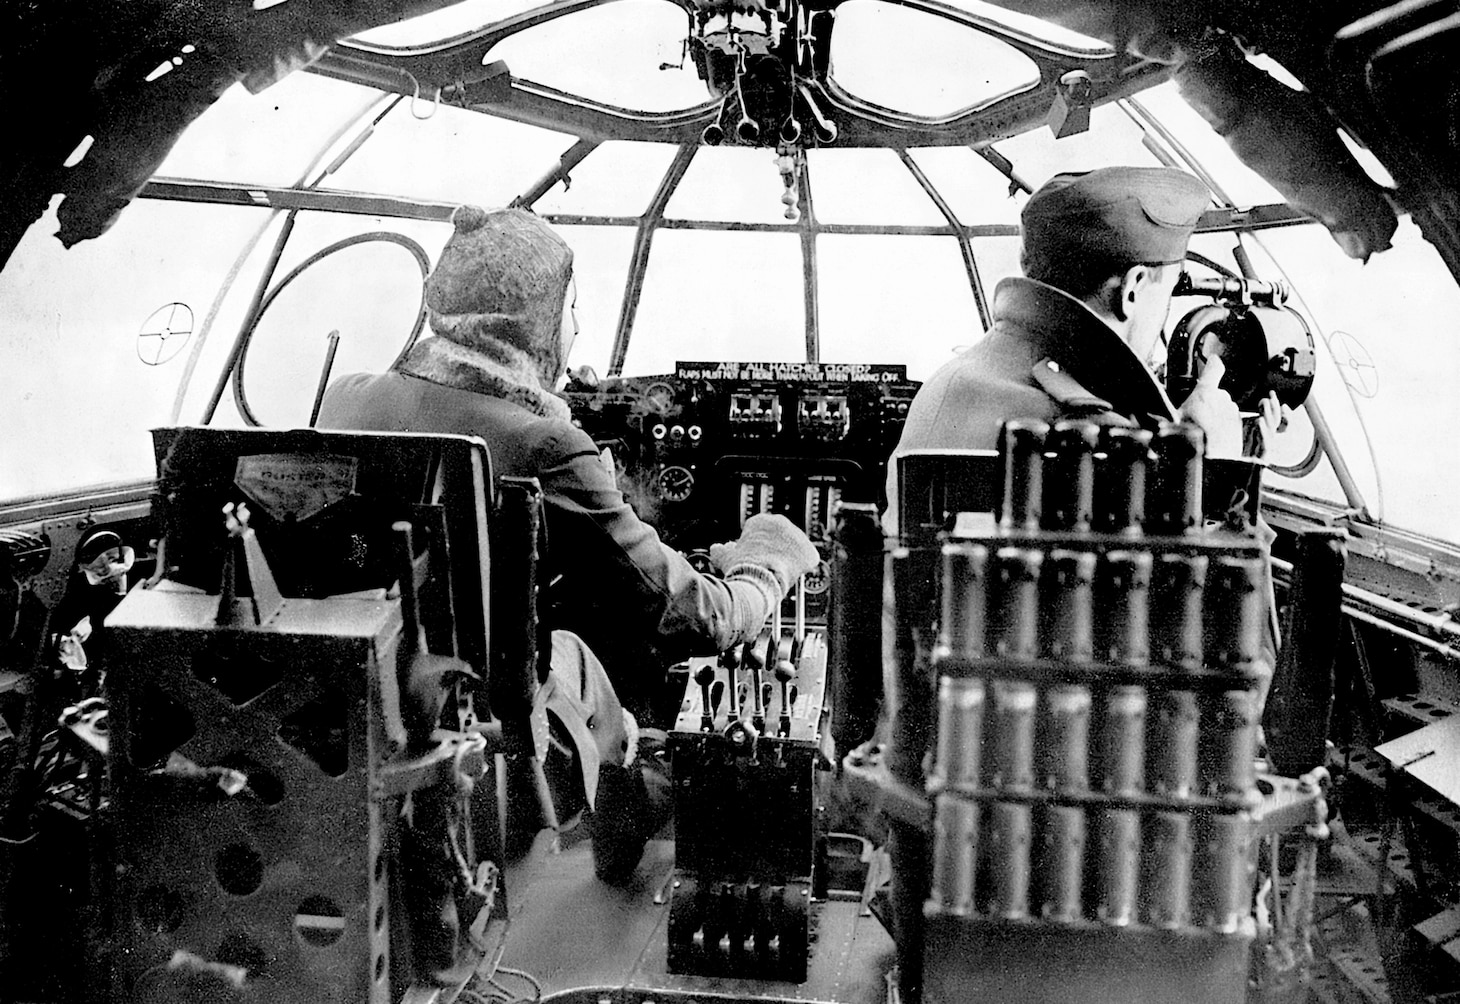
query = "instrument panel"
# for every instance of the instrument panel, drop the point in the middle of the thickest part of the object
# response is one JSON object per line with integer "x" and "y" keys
{"x": 702, "y": 449}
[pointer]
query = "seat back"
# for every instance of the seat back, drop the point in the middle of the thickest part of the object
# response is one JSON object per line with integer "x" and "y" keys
{"x": 323, "y": 504}
{"x": 934, "y": 486}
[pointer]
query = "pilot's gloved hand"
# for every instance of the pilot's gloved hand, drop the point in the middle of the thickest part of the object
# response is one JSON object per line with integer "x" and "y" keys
{"x": 769, "y": 543}
{"x": 1213, "y": 409}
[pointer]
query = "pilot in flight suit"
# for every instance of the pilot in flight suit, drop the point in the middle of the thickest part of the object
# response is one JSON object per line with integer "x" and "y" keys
{"x": 499, "y": 304}
{"x": 1101, "y": 254}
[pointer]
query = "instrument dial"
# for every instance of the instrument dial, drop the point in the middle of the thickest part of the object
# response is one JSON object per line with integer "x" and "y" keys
{"x": 659, "y": 397}
{"x": 674, "y": 483}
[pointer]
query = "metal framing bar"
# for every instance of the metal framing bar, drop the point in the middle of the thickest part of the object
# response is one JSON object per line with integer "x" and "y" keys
{"x": 975, "y": 282}
{"x": 330, "y": 200}
{"x": 643, "y": 241}
{"x": 810, "y": 274}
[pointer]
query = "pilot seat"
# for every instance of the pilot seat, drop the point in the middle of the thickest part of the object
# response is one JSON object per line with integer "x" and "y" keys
{"x": 312, "y": 713}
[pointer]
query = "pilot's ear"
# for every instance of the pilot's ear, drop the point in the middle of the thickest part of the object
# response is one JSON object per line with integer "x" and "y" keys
{"x": 1122, "y": 296}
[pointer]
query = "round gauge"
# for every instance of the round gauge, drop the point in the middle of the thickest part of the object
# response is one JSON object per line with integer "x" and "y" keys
{"x": 818, "y": 579}
{"x": 674, "y": 483}
{"x": 659, "y": 397}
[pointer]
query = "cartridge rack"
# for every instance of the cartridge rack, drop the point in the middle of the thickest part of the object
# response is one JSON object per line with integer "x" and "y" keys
{"x": 1092, "y": 690}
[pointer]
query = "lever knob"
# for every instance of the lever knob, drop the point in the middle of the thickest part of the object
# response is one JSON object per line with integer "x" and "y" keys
{"x": 705, "y": 676}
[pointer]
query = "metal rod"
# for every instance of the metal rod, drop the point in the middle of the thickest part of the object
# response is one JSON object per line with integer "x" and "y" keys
{"x": 570, "y": 159}
{"x": 1004, "y": 166}
{"x": 1324, "y": 433}
{"x": 810, "y": 274}
{"x": 1150, "y": 124}
{"x": 640, "y": 260}
{"x": 985, "y": 316}
{"x": 239, "y": 343}
{"x": 324, "y": 375}
{"x": 800, "y": 635}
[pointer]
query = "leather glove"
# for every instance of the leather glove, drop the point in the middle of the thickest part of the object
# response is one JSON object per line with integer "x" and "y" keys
{"x": 769, "y": 543}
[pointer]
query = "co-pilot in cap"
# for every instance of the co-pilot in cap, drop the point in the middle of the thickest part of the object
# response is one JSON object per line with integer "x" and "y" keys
{"x": 1134, "y": 214}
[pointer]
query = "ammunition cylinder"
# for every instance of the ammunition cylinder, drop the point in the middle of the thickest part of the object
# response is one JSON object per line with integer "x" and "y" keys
{"x": 1166, "y": 875}
{"x": 1177, "y": 584}
{"x": 1117, "y": 861}
{"x": 1120, "y": 480}
{"x": 1021, "y": 457}
{"x": 955, "y": 852}
{"x": 1222, "y": 871}
{"x": 1121, "y": 741}
{"x": 1013, "y": 629}
{"x": 1122, "y": 599}
{"x": 964, "y": 600}
{"x": 1228, "y": 743}
{"x": 960, "y": 731}
{"x": 1008, "y": 838}
{"x": 1010, "y": 724}
{"x": 1234, "y": 613}
{"x": 1060, "y": 874}
{"x": 1066, "y": 599}
{"x": 1173, "y": 501}
{"x": 1171, "y": 748}
{"x": 1069, "y": 476}
{"x": 1064, "y": 733}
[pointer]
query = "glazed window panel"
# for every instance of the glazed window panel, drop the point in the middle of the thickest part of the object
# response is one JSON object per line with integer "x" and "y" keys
{"x": 869, "y": 187}
{"x": 894, "y": 299}
{"x": 99, "y": 337}
{"x": 719, "y": 296}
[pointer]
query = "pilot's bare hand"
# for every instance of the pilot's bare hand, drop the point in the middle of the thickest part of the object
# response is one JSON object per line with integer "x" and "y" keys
{"x": 1272, "y": 418}
{"x": 1215, "y": 412}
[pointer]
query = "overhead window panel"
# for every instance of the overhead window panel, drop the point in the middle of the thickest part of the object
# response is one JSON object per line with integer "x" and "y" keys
{"x": 450, "y": 155}
{"x": 269, "y": 138}
{"x": 628, "y": 54}
{"x": 731, "y": 184}
{"x": 459, "y": 18}
{"x": 921, "y": 64}
{"x": 719, "y": 296}
{"x": 617, "y": 179}
{"x": 893, "y": 299}
{"x": 974, "y": 188}
{"x": 868, "y": 186}
{"x": 1027, "y": 24}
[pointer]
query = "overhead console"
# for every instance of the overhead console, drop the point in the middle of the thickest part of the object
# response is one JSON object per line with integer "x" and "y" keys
{"x": 713, "y": 443}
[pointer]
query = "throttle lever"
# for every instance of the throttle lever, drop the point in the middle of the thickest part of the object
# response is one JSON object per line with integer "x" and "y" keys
{"x": 755, "y": 662}
{"x": 785, "y": 673}
{"x": 705, "y": 676}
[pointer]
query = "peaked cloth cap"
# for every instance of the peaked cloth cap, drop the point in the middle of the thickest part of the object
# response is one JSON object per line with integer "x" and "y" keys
{"x": 1123, "y": 214}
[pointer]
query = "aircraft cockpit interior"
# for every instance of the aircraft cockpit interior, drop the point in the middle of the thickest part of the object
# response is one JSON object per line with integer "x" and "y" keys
{"x": 471, "y": 527}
